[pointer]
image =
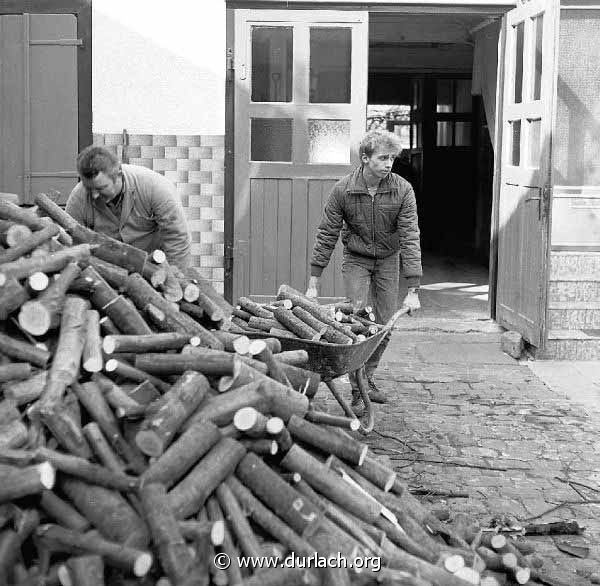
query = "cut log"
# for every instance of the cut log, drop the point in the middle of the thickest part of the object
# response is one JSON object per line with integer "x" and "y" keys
{"x": 175, "y": 557}
{"x": 314, "y": 416}
{"x": 134, "y": 373}
{"x": 13, "y": 235}
{"x": 241, "y": 314}
{"x": 233, "y": 342}
{"x": 168, "y": 413}
{"x": 254, "y": 308}
{"x": 108, "y": 511}
{"x": 181, "y": 455}
{"x": 108, "y": 327}
{"x": 102, "y": 449}
{"x": 10, "y": 211}
{"x": 272, "y": 524}
{"x": 264, "y": 324}
{"x": 207, "y": 288}
{"x": 92, "y": 398}
{"x": 330, "y": 485}
{"x": 276, "y": 428}
{"x": 250, "y": 422}
{"x": 87, "y": 570}
{"x": 62, "y": 512}
{"x": 275, "y": 369}
{"x": 23, "y": 352}
{"x": 293, "y": 357}
{"x": 132, "y": 560}
{"x": 145, "y": 394}
{"x": 260, "y": 446}
{"x": 38, "y": 281}
{"x": 171, "y": 288}
{"x": 281, "y": 333}
{"x": 220, "y": 410}
{"x": 379, "y": 474}
{"x": 145, "y": 343}
{"x": 117, "y": 398}
{"x": 12, "y": 296}
{"x": 92, "y": 360}
{"x": 91, "y": 473}
{"x": 192, "y": 310}
{"x": 108, "y": 249}
{"x": 65, "y": 428}
{"x": 15, "y": 371}
{"x": 210, "y": 307}
{"x": 50, "y": 263}
{"x": 330, "y": 334}
{"x": 296, "y": 325}
{"x": 43, "y": 313}
{"x": 23, "y": 242}
{"x": 13, "y": 434}
{"x": 285, "y": 501}
{"x": 20, "y": 482}
{"x": 304, "y": 381}
{"x": 190, "y": 494}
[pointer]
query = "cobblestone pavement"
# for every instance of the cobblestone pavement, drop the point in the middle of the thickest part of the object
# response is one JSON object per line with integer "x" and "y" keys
{"x": 465, "y": 418}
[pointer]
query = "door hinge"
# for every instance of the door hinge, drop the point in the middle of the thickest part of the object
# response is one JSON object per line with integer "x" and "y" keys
{"x": 230, "y": 67}
{"x": 228, "y": 259}
{"x": 546, "y": 193}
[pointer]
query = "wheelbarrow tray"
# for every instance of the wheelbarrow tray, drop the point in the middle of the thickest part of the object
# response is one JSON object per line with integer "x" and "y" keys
{"x": 333, "y": 360}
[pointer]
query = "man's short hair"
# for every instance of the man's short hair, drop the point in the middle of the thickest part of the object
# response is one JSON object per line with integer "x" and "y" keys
{"x": 379, "y": 139}
{"x": 96, "y": 159}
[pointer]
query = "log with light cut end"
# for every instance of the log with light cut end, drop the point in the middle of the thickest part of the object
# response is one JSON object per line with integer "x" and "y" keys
{"x": 241, "y": 314}
{"x": 43, "y": 313}
{"x": 156, "y": 274}
{"x": 328, "y": 440}
{"x": 15, "y": 213}
{"x": 221, "y": 409}
{"x": 23, "y": 352}
{"x": 19, "y": 482}
{"x": 12, "y": 296}
{"x": 192, "y": 310}
{"x": 285, "y": 303}
{"x": 38, "y": 281}
{"x": 250, "y": 421}
{"x": 275, "y": 369}
{"x": 22, "y": 241}
{"x": 51, "y": 263}
{"x": 14, "y": 236}
{"x": 232, "y": 342}
{"x": 114, "y": 275}
{"x": 209, "y": 306}
{"x": 107, "y": 510}
{"x": 314, "y": 416}
{"x": 145, "y": 343}
{"x": 175, "y": 557}
{"x": 304, "y": 381}
{"x": 182, "y": 454}
{"x": 379, "y": 474}
{"x": 15, "y": 371}
{"x": 296, "y": 325}
{"x": 87, "y": 570}
{"x": 92, "y": 360}
{"x": 281, "y": 333}
{"x": 196, "y": 530}
{"x": 122, "y": 404}
{"x": 453, "y": 563}
{"x": 254, "y": 308}
{"x": 264, "y": 324}
{"x": 158, "y": 256}
{"x": 190, "y": 494}
{"x": 108, "y": 327}
{"x": 276, "y": 428}
{"x": 171, "y": 288}
{"x": 330, "y": 334}
{"x": 468, "y": 575}
{"x": 260, "y": 446}
{"x": 191, "y": 291}
{"x": 130, "y": 559}
{"x": 136, "y": 374}
{"x": 78, "y": 467}
{"x": 166, "y": 415}
{"x": 63, "y": 512}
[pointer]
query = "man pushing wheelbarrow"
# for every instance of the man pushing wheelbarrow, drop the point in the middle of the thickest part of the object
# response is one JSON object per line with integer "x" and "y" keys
{"x": 376, "y": 212}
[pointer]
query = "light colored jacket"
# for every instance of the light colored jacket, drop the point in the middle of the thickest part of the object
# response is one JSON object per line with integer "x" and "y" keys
{"x": 151, "y": 215}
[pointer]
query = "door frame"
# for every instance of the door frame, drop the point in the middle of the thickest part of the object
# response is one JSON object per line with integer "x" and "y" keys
{"x": 82, "y": 10}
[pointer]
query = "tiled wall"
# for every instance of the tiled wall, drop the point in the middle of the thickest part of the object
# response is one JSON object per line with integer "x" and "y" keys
{"x": 195, "y": 164}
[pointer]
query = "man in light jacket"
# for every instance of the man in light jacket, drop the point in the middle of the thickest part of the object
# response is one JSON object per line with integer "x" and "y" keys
{"x": 131, "y": 204}
{"x": 376, "y": 212}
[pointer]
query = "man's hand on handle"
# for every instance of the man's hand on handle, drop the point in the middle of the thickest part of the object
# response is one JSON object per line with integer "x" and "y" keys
{"x": 314, "y": 287}
{"x": 411, "y": 301}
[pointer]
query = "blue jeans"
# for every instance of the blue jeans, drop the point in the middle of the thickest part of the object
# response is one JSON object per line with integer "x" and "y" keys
{"x": 372, "y": 281}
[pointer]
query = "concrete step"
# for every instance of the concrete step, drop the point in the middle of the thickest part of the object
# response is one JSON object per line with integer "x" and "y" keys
{"x": 580, "y": 291}
{"x": 580, "y": 344}
{"x": 574, "y": 266}
{"x": 569, "y": 315}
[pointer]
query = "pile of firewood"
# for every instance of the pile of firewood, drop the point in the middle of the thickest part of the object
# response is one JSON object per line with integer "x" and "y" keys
{"x": 138, "y": 439}
{"x": 292, "y": 315}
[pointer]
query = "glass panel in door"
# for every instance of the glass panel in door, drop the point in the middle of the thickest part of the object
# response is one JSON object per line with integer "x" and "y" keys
{"x": 272, "y": 63}
{"x": 330, "y": 65}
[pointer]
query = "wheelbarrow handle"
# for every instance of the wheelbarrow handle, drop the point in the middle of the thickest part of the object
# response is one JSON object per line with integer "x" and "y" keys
{"x": 402, "y": 311}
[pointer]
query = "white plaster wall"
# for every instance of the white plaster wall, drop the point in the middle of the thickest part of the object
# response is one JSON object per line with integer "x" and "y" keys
{"x": 159, "y": 67}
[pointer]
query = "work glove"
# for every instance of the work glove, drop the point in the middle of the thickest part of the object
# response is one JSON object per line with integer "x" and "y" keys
{"x": 314, "y": 286}
{"x": 411, "y": 301}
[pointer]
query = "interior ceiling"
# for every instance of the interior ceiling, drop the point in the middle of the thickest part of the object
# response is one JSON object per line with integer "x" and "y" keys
{"x": 394, "y": 30}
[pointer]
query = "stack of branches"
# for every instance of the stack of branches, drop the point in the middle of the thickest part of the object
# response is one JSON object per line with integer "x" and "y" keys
{"x": 138, "y": 440}
{"x": 293, "y": 315}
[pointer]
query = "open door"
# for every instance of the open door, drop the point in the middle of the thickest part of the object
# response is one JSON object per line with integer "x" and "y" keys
{"x": 300, "y": 111}
{"x": 530, "y": 32}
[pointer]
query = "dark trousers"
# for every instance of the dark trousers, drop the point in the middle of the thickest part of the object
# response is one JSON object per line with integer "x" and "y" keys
{"x": 372, "y": 281}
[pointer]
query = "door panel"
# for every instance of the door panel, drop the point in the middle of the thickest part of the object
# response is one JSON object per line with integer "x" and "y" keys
{"x": 528, "y": 97}
{"x": 300, "y": 101}
{"x": 38, "y": 104}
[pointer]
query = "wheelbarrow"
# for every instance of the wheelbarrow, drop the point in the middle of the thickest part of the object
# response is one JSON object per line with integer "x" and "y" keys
{"x": 332, "y": 361}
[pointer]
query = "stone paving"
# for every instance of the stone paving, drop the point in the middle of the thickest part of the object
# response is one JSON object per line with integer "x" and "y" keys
{"x": 475, "y": 421}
